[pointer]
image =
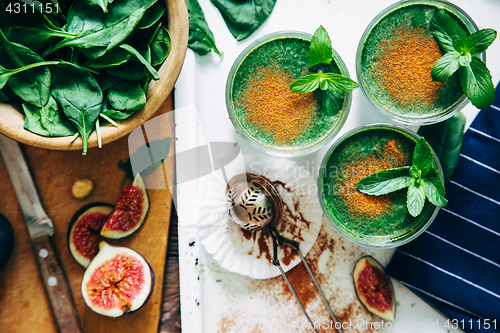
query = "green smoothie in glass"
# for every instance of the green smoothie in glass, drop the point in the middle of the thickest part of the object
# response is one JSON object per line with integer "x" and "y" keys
{"x": 394, "y": 61}
{"x": 262, "y": 107}
{"x": 378, "y": 221}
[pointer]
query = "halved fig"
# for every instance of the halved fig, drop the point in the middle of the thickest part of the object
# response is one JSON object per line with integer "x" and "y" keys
{"x": 117, "y": 282}
{"x": 374, "y": 288}
{"x": 130, "y": 211}
{"x": 84, "y": 230}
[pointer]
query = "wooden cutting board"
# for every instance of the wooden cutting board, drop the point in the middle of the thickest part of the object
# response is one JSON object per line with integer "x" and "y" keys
{"x": 23, "y": 303}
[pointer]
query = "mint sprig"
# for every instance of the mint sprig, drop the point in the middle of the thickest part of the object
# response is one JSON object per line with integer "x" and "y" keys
{"x": 331, "y": 86}
{"x": 320, "y": 50}
{"x": 460, "y": 55}
{"x": 422, "y": 180}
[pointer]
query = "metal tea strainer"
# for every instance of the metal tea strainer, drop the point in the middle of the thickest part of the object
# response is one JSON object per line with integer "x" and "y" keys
{"x": 254, "y": 203}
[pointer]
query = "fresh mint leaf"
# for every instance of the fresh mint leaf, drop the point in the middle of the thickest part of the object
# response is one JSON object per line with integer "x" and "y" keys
{"x": 422, "y": 157}
{"x": 330, "y": 101}
{"x": 445, "y": 66}
{"x": 415, "y": 199}
{"x": 337, "y": 82}
{"x": 446, "y": 140}
{"x": 306, "y": 84}
{"x": 320, "y": 50}
{"x": 479, "y": 41}
{"x": 384, "y": 182}
{"x": 415, "y": 172}
{"x": 434, "y": 189}
{"x": 460, "y": 45}
{"x": 477, "y": 84}
{"x": 443, "y": 27}
{"x": 331, "y": 81}
{"x": 464, "y": 60}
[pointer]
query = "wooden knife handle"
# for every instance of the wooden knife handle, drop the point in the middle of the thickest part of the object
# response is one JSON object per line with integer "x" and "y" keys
{"x": 56, "y": 286}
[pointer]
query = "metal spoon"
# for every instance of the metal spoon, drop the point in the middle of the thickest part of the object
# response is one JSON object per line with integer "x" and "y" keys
{"x": 254, "y": 203}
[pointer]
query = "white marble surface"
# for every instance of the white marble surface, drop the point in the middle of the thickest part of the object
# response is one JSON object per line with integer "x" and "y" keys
{"x": 200, "y": 89}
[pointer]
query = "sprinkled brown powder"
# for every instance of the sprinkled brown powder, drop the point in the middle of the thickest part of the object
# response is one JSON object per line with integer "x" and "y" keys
{"x": 371, "y": 205}
{"x": 405, "y": 65}
{"x": 271, "y": 105}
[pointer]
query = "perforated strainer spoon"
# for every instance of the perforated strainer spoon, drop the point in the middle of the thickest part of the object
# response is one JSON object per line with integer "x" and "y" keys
{"x": 254, "y": 203}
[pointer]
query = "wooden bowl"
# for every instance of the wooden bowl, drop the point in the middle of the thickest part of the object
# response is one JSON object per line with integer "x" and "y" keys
{"x": 12, "y": 119}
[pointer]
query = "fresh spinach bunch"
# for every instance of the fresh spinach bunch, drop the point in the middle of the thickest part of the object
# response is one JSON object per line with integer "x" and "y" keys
{"x": 461, "y": 55}
{"x": 332, "y": 86}
{"x": 93, "y": 59}
{"x": 422, "y": 179}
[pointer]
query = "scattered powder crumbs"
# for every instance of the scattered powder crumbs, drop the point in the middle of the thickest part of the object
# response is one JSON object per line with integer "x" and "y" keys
{"x": 270, "y": 104}
{"x": 371, "y": 205}
{"x": 405, "y": 64}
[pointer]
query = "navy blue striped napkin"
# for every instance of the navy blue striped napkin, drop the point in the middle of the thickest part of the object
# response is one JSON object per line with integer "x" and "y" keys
{"x": 455, "y": 263}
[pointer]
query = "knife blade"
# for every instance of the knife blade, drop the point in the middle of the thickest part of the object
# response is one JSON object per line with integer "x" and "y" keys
{"x": 40, "y": 231}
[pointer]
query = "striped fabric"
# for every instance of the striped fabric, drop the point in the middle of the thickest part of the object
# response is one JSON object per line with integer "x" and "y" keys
{"x": 455, "y": 263}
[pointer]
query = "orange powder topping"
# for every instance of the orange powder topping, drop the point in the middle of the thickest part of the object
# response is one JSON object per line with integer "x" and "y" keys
{"x": 405, "y": 66}
{"x": 371, "y": 205}
{"x": 271, "y": 106}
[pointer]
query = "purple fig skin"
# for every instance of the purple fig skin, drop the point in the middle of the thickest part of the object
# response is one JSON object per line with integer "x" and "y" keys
{"x": 75, "y": 218}
{"x": 6, "y": 240}
{"x": 388, "y": 315}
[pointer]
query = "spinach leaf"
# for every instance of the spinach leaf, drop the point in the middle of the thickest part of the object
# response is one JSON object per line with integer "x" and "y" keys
{"x": 36, "y": 37}
{"x": 146, "y": 159}
{"x": 446, "y": 140}
{"x": 146, "y": 62}
{"x": 106, "y": 80}
{"x": 5, "y": 73}
{"x": 152, "y": 15}
{"x": 320, "y": 50}
{"x": 201, "y": 39}
{"x": 415, "y": 200}
{"x": 32, "y": 85}
{"x": 47, "y": 120}
{"x": 98, "y": 32}
{"x": 385, "y": 181}
{"x": 115, "y": 57}
{"x": 116, "y": 115}
{"x": 244, "y": 17}
{"x": 160, "y": 47}
{"x": 126, "y": 96}
{"x": 98, "y": 3}
{"x": 3, "y": 97}
{"x": 80, "y": 97}
{"x": 133, "y": 70}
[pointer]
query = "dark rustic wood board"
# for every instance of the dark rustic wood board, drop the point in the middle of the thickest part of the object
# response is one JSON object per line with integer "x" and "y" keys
{"x": 24, "y": 306}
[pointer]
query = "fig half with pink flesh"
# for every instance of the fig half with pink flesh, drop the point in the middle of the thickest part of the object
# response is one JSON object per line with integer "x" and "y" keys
{"x": 117, "y": 282}
{"x": 84, "y": 231}
{"x": 130, "y": 211}
{"x": 374, "y": 288}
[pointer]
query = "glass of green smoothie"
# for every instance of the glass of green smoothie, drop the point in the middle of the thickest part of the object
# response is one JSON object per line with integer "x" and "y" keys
{"x": 263, "y": 109}
{"x": 394, "y": 60}
{"x": 375, "y": 221}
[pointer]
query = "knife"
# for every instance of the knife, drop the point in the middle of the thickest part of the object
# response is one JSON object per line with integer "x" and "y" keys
{"x": 40, "y": 230}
